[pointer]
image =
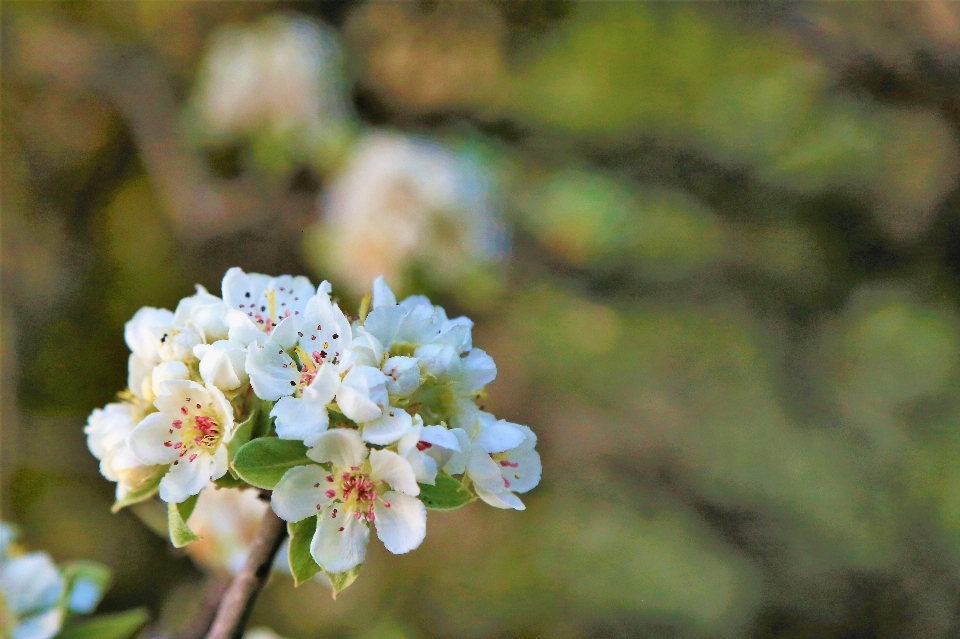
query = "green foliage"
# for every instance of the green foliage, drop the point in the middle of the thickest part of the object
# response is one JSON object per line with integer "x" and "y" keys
{"x": 340, "y": 581}
{"x": 122, "y": 625}
{"x": 262, "y": 462}
{"x": 255, "y": 426}
{"x": 447, "y": 494}
{"x": 177, "y": 516}
{"x": 302, "y": 565}
{"x": 84, "y": 585}
{"x": 147, "y": 489}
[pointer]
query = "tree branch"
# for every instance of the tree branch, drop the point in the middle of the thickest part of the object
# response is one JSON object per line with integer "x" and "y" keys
{"x": 238, "y": 601}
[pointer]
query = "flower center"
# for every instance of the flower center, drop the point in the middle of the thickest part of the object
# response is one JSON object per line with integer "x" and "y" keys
{"x": 196, "y": 433}
{"x": 355, "y": 490}
{"x": 505, "y": 465}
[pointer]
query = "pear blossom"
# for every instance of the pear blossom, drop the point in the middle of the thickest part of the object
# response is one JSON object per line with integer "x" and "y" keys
{"x": 189, "y": 432}
{"x": 426, "y": 448}
{"x": 500, "y": 460}
{"x": 401, "y": 201}
{"x": 222, "y": 364}
{"x": 361, "y": 487}
{"x": 260, "y": 306}
{"x": 303, "y": 387}
{"x": 107, "y": 431}
{"x": 31, "y": 590}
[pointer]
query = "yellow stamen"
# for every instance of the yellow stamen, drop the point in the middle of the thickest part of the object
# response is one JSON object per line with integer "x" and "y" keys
{"x": 271, "y": 304}
{"x": 364, "y": 307}
{"x": 305, "y": 359}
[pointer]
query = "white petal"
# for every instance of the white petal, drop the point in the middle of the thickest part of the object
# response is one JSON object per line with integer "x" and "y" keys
{"x": 484, "y": 472}
{"x": 382, "y": 295}
{"x": 337, "y": 550}
{"x": 300, "y": 418}
{"x": 186, "y": 478}
{"x": 458, "y": 462}
{"x": 142, "y": 333}
{"x": 438, "y": 360}
{"x": 394, "y": 424}
{"x": 30, "y": 582}
{"x": 363, "y": 394}
{"x": 403, "y": 525}
{"x": 367, "y": 349}
{"x": 243, "y": 330}
{"x": 403, "y": 375}
{"x": 297, "y": 496}
{"x": 424, "y": 466}
{"x": 341, "y": 446}
{"x": 440, "y": 436}
{"x": 166, "y": 371}
{"x": 273, "y": 373}
{"x": 504, "y": 500}
{"x": 174, "y": 394}
{"x": 219, "y": 463}
{"x": 384, "y": 323}
{"x": 386, "y": 465}
{"x": 499, "y": 437}
{"x": 285, "y": 333}
{"x": 139, "y": 370}
{"x": 148, "y": 439}
{"x": 204, "y": 312}
{"x": 42, "y": 626}
{"x": 223, "y": 364}
{"x": 242, "y": 288}
{"x": 290, "y": 294}
{"x": 526, "y": 474}
{"x": 478, "y": 370}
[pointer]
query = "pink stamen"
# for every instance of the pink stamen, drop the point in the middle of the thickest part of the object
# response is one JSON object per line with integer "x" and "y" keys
{"x": 331, "y": 493}
{"x": 177, "y": 423}
{"x": 424, "y": 445}
{"x": 183, "y": 409}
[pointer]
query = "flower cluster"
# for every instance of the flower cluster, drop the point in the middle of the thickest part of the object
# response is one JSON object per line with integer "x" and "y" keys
{"x": 38, "y": 598}
{"x": 352, "y": 423}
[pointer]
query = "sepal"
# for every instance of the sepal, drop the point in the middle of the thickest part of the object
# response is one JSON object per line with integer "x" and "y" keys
{"x": 177, "y": 516}
{"x": 340, "y": 581}
{"x": 147, "y": 489}
{"x": 302, "y": 564}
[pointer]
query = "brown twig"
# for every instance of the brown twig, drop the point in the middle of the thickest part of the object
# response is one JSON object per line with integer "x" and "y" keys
{"x": 238, "y": 601}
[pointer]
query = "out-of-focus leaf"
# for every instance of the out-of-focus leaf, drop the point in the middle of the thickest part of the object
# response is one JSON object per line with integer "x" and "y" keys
{"x": 119, "y": 626}
{"x": 84, "y": 585}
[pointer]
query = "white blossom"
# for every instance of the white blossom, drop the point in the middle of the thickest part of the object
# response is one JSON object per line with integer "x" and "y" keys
{"x": 260, "y": 306}
{"x": 31, "y": 589}
{"x": 189, "y": 432}
{"x": 107, "y": 430}
{"x": 426, "y": 448}
{"x": 499, "y": 459}
{"x": 362, "y": 487}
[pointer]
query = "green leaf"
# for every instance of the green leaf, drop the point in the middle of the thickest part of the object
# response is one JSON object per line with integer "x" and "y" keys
{"x": 340, "y": 581}
{"x": 262, "y": 462}
{"x": 255, "y": 426}
{"x": 229, "y": 481}
{"x": 177, "y": 516}
{"x": 122, "y": 625}
{"x": 145, "y": 490}
{"x": 84, "y": 585}
{"x": 302, "y": 565}
{"x": 446, "y": 494}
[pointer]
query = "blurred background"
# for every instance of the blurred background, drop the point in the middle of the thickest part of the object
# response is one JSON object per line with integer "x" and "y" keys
{"x": 713, "y": 248}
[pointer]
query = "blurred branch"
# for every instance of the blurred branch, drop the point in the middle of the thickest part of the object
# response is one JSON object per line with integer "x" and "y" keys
{"x": 238, "y": 601}
{"x": 200, "y": 204}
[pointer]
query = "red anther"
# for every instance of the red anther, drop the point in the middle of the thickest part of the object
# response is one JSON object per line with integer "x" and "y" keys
{"x": 176, "y": 462}
{"x": 331, "y": 493}
{"x": 424, "y": 445}
{"x": 183, "y": 409}
{"x": 341, "y": 528}
{"x": 345, "y": 475}
{"x": 177, "y": 423}
{"x": 334, "y": 516}
{"x": 354, "y": 468}
{"x": 506, "y": 483}
{"x": 370, "y": 516}
{"x": 193, "y": 456}
{"x": 167, "y": 444}
{"x": 178, "y": 445}
{"x": 316, "y": 485}
{"x": 386, "y": 504}
{"x": 357, "y": 515}
{"x": 318, "y": 508}
{"x": 329, "y": 477}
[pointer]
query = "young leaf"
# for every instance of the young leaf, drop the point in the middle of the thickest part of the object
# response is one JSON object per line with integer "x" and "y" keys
{"x": 177, "y": 516}
{"x": 262, "y": 462}
{"x": 229, "y": 481}
{"x": 122, "y": 625}
{"x": 302, "y": 565}
{"x": 446, "y": 494}
{"x": 340, "y": 581}
{"x": 147, "y": 489}
{"x": 84, "y": 585}
{"x": 255, "y": 426}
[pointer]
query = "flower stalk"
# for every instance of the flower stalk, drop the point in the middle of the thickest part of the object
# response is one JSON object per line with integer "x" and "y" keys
{"x": 238, "y": 600}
